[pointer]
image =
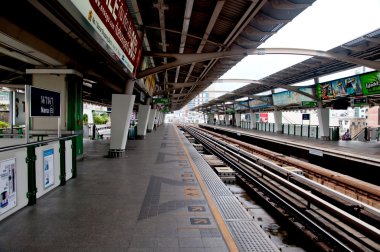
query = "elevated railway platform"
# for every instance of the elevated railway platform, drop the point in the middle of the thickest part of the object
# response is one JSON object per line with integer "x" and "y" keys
{"x": 354, "y": 158}
{"x": 162, "y": 196}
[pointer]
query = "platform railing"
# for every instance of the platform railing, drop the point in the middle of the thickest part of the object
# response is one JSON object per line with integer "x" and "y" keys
{"x": 33, "y": 169}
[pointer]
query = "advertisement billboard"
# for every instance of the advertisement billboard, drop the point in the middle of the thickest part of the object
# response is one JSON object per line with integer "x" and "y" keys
{"x": 290, "y": 97}
{"x": 112, "y": 21}
{"x": 370, "y": 83}
{"x": 363, "y": 84}
{"x": 339, "y": 88}
{"x": 7, "y": 185}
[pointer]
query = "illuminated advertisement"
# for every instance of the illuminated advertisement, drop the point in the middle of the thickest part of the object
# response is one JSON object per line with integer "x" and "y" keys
{"x": 114, "y": 24}
{"x": 7, "y": 185}
{"x": 370, "y": 83}
{"x": 363, "y": 84}
{"x": 48, "y": 163}
{"x": 290, "y": 97}
{"x": 339, "y": 88}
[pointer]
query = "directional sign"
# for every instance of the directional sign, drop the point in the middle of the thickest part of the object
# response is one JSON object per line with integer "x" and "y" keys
{"x": 196, "y": 209}
{"x": 200, "y": 221}
{"x": 192, "y": 192}
{"x": 187, "y": 175}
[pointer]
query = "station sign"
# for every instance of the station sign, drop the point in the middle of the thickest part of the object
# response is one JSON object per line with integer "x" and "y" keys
{"x": 44, "y": 102}
{"x": 309, "y": 104}
{"x": 112, "y": 22}
{"x": 306, "y": 117}
{"x": 161, "y": 101}
{"x": 360, "y": 101}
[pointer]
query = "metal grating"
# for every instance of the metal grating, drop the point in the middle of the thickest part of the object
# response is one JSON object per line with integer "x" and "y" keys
{"x": 249, "y": 237}
{"x": 216, "y": 189}
{"x": 246, "y": 232}
{"x": 231, "y": 209}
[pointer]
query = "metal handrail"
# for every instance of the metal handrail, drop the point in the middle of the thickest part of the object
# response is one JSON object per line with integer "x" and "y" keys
{"x": 18, "y": 146}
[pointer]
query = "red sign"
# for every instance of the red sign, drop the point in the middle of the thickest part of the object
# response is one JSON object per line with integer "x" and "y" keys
{"x": 116, "y": 17}
{"x": 263, "y": 117}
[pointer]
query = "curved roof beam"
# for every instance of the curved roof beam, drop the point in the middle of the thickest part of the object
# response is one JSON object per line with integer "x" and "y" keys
{"x": 184, "y": 59}
{"x": 287, "y": 87}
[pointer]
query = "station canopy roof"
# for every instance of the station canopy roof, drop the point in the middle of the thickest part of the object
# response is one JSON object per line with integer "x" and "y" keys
{"x": 364, "y": 47}
{"x": 205, "y": 26}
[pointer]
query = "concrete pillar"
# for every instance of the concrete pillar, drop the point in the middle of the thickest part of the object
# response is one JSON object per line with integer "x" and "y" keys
{"x": 152, "y": 115}
{"x": 324, "y": 122}
{"x": 129, "y": 87}
{"x": 226, "y": 119}
{"x": 252, "y": 116}
{"x": 160, "y": 116}
{"x": 122, "y": 106}
{"x": 211, "y": 118}
{"x": 69, "y": 83}
{"x": 238, "y": 120}
{"x": 142, "y": 117}
{"x": 277, "y": 121}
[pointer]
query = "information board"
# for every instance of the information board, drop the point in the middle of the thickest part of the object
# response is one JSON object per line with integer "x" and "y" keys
{"x": 44, "y": 102}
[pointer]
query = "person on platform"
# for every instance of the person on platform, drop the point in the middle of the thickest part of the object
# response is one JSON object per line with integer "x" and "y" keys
{"x": 155, "y": 123}
{"x": 346, "y": 135}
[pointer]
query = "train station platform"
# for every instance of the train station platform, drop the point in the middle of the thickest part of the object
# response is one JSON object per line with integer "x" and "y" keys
{"x": 354, "y": 158}
{"x": 366, "y": 150}
{"x": 162, "y": 196}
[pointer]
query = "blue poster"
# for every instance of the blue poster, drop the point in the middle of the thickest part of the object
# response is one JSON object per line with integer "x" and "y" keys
{"x": 48, "y": 168}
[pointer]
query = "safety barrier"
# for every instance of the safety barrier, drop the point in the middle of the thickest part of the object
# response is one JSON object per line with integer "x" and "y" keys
{"x": 28, "y": 171}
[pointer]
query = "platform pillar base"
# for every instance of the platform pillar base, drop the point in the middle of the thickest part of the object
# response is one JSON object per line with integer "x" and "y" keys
{"x": 116, "y": 153}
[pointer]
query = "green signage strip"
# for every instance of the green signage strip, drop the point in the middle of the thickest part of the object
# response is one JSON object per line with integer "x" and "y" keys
{"x": 370, "y": 83}
{"x": 309, "y": 104}
{"x": 360, "y": 101}
{"x": 161, "y": 101}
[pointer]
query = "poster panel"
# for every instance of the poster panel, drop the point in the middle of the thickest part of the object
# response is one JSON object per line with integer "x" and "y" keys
{"x": 350, "y": 86}
{"x": 48, "y": 163}
{"x": 290, "y": 97}
{"x": 263, "y": 117}
{"x": 8, "y": 185}
{"x": 370, "y": 83}
{"x": 254, "y": 103}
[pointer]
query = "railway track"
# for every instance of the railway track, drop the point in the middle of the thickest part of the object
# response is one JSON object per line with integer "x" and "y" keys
{"x": 332, "y": 220}
{"x": 362, "y": 191}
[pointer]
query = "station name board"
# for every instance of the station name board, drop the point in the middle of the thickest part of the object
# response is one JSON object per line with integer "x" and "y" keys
{"x": 114, "y": 24}
{"x": 44, "y": 102}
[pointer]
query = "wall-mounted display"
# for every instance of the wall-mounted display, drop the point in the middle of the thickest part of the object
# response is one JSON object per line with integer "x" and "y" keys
{"x": 48, "y": 168}
{"x": 7, "y": 185}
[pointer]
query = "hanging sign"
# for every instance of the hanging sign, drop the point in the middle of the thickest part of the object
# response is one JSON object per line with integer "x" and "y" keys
{"x": 44, "y": 102}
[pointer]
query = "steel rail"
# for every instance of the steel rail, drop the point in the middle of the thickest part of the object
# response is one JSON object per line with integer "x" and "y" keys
{"x": 361, "y": 225}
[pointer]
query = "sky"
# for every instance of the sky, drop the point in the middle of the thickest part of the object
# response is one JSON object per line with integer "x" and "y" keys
{"x": 324, "y": 25}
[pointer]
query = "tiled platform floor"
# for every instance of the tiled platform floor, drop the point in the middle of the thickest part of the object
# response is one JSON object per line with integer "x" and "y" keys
{"x": 147, "y": 201}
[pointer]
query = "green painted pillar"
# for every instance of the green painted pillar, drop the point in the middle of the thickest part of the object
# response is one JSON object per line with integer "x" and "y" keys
{"x": 32, "y": 187}
{"x": 75, "y": 109}
{"x": 62, "y": 158}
